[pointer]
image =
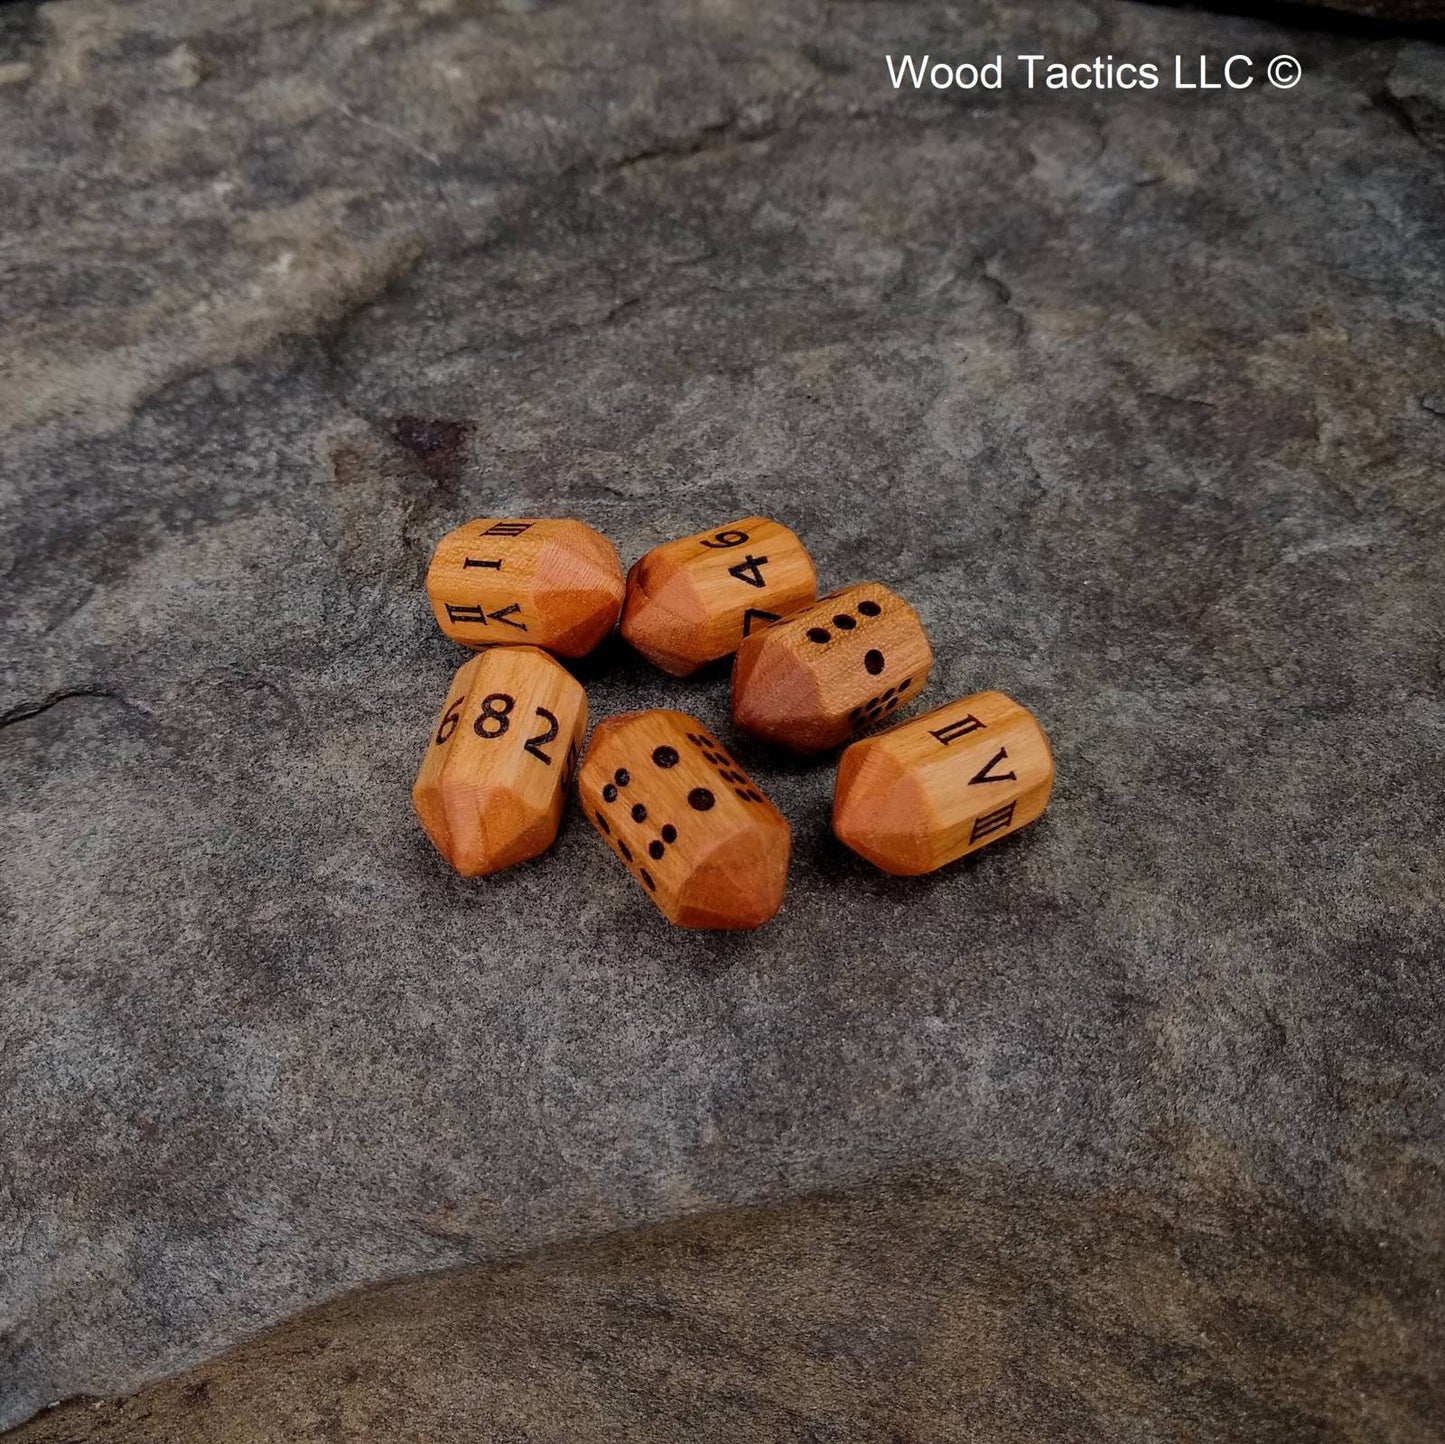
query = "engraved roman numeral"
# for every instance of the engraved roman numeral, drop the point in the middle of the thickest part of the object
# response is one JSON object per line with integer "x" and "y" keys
{"x": 958, "y": 729}
{"x": 989, "y": 823}
{"x": 503, "y": 613}
{"x": 482, "y": 562}
{"x": 466, "y": 614}
{"x": 986, "y": 772}
{"x": 508, "y": 528}
{"x": 478, "y": 615}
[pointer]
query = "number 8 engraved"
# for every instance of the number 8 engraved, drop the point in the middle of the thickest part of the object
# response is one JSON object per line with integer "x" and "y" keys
{"x": 490, "y": 713}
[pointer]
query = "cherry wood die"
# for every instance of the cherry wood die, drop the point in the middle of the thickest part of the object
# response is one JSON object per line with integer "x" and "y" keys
{"x": 698, "y": 835}
{"x": 822, "y": 675}
{"x": 943, "y": 785}
{"x": 552, "y": 583}
{"x": 692, "y": 601}
{"x": 494, "y": 779}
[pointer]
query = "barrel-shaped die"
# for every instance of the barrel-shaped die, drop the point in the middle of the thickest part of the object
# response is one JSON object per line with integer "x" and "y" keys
{"x": 540, "y": 582}
{"x": 494, "y": 780}
{"x": 824, "y": 674}
{"x": 948, "y": 783}
{"x": 692, "y": 601}
{"x": 694, "y": 830}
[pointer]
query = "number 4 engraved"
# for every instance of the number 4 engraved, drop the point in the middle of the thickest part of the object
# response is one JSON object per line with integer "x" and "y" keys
{"x": 988, "y": 823}
{"x": 750, "y": 570}
{"x": 954, "y": 730}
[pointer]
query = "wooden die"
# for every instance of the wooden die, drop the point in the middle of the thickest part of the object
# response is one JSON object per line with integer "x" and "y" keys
{"x": 692, "y": 601}
{"x": 552, "y": 583}
{"x": 918, "y": 796}
{"x": 494, "y": 779}
{"x": 704, "y": 843}
{"x": 822, "y": 675}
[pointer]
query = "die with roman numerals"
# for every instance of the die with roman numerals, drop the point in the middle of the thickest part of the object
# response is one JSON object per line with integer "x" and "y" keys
{"x": 840, "y": 667}
{"x": 692, "y": 601}
{"x": 921, "y": 795}
{"x": 503, "y": 752}
{"x": 541, "y": 582}
{"x": 687, "y": 822}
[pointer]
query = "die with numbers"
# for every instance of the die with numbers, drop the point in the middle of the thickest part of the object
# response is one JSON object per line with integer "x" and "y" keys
{"x": 945, "y": 784}
{"x": 494, "y": 779}
{"x": 822, "y": 675}
{"x": 694, "y": 830}
{"x": 692, "y": 601}
{"x": 539, "y": 582}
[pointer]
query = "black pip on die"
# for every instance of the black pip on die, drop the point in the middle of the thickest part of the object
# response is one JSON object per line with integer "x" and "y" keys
{"x": 821, "y": 676}
{"x": 694, "y": 830}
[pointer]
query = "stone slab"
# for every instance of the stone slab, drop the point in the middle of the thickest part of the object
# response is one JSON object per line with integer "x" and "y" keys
{"x": 1136, "y": 397}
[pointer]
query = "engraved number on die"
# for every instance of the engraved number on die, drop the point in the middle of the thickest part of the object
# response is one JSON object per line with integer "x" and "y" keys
{"x": 450, "y": 718}
{"x": 495, "y": 720}
{"x": 986, "y": 773}
{"x": 534, "y": 744}
{"x": 961, "y": 728}
{"x": 496, "y": 715}
{"x": 750, "y": 570}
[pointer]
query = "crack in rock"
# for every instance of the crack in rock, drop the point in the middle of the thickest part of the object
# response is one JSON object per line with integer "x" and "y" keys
{"x": 24, "y": 711}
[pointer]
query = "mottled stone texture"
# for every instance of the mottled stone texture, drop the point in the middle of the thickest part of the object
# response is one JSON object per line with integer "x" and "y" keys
{"x": 1306, "y": 12}
{"x": 988, "y": 1308}
{"x": 1140, "y": 399}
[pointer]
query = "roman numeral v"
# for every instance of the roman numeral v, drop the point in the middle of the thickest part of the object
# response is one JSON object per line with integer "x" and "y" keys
{"x": 987, "y": 774}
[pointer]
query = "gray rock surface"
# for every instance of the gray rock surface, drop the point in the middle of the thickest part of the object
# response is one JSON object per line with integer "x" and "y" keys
{"x": 1136, "y": 397}
{"x": 1427, "y": 13}
{"x": 981, "y": 1306}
